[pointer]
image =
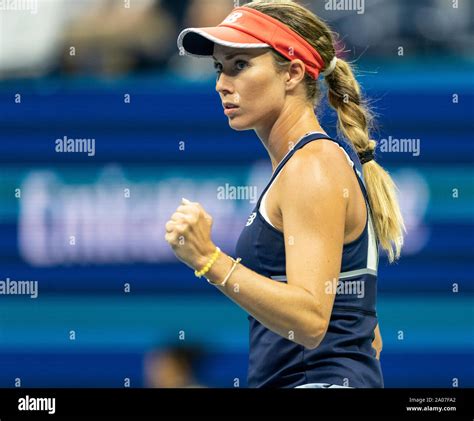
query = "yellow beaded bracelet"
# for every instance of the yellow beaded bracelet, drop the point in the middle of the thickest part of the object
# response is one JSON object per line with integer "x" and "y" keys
{"x": 208, "y": 265}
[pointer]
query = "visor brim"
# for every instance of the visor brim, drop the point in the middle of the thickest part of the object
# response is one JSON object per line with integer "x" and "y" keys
{"x": 200, "y": 42}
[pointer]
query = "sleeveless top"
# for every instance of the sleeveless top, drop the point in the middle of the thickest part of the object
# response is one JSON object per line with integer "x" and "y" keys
{"x": 345, "y": 356}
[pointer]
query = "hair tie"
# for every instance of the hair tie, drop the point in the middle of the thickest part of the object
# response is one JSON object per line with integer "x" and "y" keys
{"x": 331, "y": 67}
{"x": 366, "y": 156}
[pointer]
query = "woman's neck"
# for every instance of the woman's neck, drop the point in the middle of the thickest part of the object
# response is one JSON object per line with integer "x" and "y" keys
{"x": 293, "y": 123}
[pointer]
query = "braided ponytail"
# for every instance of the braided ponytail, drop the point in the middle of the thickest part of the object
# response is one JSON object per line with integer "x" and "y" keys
{"x": 354, "y": 123}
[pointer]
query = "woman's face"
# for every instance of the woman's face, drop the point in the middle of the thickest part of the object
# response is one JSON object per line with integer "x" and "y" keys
{"x": 247, "y": 81}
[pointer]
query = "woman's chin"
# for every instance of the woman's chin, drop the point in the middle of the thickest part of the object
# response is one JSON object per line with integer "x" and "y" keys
{"x": 237, "y": 125}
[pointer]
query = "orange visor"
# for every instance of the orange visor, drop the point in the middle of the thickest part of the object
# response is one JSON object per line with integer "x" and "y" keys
{"x": 249, "y": 28}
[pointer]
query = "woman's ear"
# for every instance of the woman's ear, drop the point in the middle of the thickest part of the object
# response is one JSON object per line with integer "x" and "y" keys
{"x": 295, "y": 74}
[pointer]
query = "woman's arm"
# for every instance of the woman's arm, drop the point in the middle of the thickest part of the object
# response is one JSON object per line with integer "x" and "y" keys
{"x": 313, "y": 208}
{"x": 286, "y": 309}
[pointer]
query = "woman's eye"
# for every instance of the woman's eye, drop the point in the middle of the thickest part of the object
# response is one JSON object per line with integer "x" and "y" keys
{"x": 240, "y": 64}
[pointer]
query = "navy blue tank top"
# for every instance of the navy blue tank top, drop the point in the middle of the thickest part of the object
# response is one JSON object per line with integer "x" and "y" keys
{"x": 345, "y": 356}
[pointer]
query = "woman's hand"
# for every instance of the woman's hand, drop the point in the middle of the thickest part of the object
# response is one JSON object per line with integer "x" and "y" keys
{"x": 189, "y": 234}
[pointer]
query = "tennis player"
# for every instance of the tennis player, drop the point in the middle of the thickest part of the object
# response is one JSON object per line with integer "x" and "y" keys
{"x": 306, "y": 261}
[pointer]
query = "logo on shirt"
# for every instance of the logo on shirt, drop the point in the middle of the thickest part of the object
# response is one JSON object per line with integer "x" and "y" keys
{"x": 251, "y": 219}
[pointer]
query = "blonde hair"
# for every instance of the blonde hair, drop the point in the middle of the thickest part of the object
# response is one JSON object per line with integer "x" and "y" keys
{"x": 354, "y": 117}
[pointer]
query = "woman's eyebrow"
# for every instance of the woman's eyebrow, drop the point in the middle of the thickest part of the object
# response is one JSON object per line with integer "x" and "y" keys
{"x": 232, "y": 55}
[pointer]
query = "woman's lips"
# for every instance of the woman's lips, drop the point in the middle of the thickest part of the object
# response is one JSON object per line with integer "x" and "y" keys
{"x": 230, "y": 109}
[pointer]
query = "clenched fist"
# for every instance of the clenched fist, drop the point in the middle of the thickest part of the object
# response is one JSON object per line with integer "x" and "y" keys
{"x": 188, "y": 232}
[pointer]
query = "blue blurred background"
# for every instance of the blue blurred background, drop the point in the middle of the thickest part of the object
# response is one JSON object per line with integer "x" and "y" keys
{"x": 114, "y": 307}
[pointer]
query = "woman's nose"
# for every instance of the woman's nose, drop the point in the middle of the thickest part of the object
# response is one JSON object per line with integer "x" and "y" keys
{"x": 223, "y": 85}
